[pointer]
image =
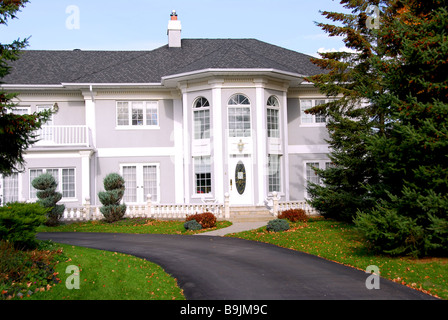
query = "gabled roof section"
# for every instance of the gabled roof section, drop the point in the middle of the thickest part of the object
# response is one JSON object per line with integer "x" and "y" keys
{"x": 57, "y": 67}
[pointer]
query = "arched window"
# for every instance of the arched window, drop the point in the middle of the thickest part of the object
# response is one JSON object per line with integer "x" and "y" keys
{"x": 239, "y": 116}
{"x": 273, "y": 118}
{"x": 201, "y": 118}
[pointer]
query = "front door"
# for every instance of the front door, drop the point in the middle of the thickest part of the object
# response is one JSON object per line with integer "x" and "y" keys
{"x": 240, "y": 180}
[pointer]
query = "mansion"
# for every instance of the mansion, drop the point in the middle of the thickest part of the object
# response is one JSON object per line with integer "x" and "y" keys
{"x": 186, "y": 123}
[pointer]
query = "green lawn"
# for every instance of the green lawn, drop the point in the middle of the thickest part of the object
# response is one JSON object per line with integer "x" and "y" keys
{"x": 105, "y": 275}
{"x": 136, "y": 225}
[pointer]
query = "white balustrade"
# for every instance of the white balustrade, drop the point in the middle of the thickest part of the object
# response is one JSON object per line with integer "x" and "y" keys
{"x": 63, "y": 136}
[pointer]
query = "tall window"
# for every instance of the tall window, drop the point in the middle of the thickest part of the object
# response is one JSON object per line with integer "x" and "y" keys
{"x": 309, "y": 118}
{"x": 137, "y": 114}
{"x": 65, "y": 178}
{"x": 10, "y": 188}
{"x": 274, "y": 167}
{"x": 273, "y": 119}
{"x": 201, "y": 115}
{"x": 203, "y": 175}
{"x": 239, "y": 116}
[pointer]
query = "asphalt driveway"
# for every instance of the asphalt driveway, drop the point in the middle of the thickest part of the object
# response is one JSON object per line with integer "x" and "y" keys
{"x": 219, "y": 268}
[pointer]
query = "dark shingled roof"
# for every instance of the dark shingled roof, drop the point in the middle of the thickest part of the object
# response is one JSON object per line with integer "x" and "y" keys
{"x": 56, "y": 67}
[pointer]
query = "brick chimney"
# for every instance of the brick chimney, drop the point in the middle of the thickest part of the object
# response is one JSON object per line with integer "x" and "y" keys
{"x": 174, "y": 30}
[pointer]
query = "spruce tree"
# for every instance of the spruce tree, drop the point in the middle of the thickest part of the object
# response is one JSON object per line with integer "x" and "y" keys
{"x": 411, "y": 216}
{"x": 348, "y": 78}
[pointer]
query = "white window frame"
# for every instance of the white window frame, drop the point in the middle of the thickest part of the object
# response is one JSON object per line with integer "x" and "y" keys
{"x": 204, "y": 108}
{"x": 17, "y": 187}
{"x": 196, "y": 193}
{"x": 280, "y": 171}
{"x": 140, "y": 191}
{"x": 276, "y": 108}
{"x": 146, "y": 104}
{"x": 59, "y": 182}
{"x": 322, "y": 164}
{"x": 314, "y": 121}
{"x": 237, "y": 102}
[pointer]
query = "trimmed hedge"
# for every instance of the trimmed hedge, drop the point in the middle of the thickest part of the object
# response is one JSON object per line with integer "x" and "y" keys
{"x": 294, "y": 215}
{"x": 206, "y": 219}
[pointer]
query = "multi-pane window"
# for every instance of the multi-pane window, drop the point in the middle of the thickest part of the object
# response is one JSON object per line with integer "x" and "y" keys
{"x": 10, "y": 188}
{"x": 310, "y": 171}
{"x": 274, "y": 171}
{"x": 201, "y": 119}
{"x": 203, "y": 175}
{"x": 273, "y": 118}
{"x": 239, "y": 116}
{"x": 150, "y": 181}
{"x": 140, "y": 180}
{"x": 310, "y": 118}
{"x": 130, "y": 178}
{"x": 137, "y": 113}
{"x": 272, "y": 122}
{"x": 65, "y": 178}
{"x": 68, "y": 183}
{"x": 311, "y": 175}
{"x": 239, "y": 122}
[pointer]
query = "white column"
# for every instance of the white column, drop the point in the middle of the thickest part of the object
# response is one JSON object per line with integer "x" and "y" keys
{"x": 186, "y": 144}
{"x": 285, "y": 141}
{"x": 90, "y": 113}
{"x": 217, "y": 140}
{"x": 261, "y": 139}
{"x": 178, "y": 159}
{"x": 85, "y": 173}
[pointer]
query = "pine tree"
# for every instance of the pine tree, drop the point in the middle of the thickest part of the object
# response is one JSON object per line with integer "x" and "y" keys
{"x": 17, "y": 132}
{"x": 412, "y": 154}
{"x": 352, "y": 116}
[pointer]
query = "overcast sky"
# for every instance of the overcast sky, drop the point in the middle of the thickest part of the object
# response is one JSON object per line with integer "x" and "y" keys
{"x": 142, "y": 24}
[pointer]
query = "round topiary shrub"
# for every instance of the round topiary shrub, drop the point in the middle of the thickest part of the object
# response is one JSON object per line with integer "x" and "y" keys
{"x": 112, "y": 210}
{"x": 278, "y": 225}
{"x": 49, "y": 197}
{"x": 192, "y": 225}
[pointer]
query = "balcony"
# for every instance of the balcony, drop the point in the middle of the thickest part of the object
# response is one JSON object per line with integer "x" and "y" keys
{"x": 51, "y": 136}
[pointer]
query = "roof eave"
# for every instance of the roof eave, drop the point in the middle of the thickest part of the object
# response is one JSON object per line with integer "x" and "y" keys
{"x": 173, "y": 80}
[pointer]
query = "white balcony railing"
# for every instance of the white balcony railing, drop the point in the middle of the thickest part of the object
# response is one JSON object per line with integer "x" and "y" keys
{"x": 63, "y": 136}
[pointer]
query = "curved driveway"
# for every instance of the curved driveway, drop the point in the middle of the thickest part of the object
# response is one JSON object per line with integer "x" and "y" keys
{"x": 218, "y": 268}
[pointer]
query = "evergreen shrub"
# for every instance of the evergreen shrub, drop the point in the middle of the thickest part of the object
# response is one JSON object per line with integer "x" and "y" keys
{"x": 49, "y": 197}
{"x": 112, "y": 210}
{"x": 192, "y": 225}
{"x": 278, "y": 225}
{"x": 19, "y": 221}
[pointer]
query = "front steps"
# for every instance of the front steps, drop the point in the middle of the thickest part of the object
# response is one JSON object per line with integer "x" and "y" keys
{"x": 250, "y": 214}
